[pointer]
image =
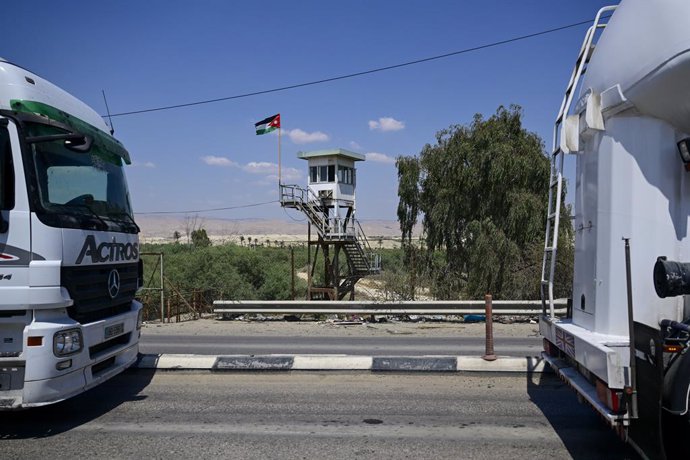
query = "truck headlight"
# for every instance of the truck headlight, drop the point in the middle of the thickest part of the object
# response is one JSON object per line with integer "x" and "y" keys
{"x": 67, "y": 342}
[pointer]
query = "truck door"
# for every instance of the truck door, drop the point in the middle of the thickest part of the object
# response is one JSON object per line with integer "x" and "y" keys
{"x": 15, "y": 241}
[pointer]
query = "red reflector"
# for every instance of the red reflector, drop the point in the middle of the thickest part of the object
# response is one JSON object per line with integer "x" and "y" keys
{"x": 615, "y": 401}
{"x": 611, "y": 398}
{"x": 35, "y": 341}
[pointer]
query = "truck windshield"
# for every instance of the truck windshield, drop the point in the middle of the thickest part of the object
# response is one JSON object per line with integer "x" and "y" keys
{"x": 78, "y": 189}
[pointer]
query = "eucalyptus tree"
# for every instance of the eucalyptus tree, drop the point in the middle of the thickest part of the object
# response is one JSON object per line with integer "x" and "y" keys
{"x": 482, "y": 191}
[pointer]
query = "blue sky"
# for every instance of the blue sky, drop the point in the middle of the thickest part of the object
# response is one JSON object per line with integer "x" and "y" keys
{"x": 157, "y": 53}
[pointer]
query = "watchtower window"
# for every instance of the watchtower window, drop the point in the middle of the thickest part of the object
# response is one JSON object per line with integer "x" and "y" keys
{"x": 322, "y": 174}
{"x": 346, "y": 175}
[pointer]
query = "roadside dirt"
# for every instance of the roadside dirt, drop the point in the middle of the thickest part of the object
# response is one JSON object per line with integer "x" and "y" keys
{"x": 213, "y": 326}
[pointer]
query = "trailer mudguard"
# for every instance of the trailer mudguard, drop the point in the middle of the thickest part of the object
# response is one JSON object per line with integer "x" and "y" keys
{"x": 645, "y": 432}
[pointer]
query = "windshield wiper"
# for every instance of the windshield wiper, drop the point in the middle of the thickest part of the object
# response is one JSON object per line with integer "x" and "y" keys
{"x": 128, "y": 219}
{"x": 104, "y": 226}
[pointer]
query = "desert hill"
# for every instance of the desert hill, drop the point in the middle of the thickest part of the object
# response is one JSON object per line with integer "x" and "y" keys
{"x": 160, "y": 229}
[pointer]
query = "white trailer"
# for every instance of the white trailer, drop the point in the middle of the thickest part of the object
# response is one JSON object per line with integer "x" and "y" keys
{"x": 69, "y": 251}
{"x": 630, "y": 133}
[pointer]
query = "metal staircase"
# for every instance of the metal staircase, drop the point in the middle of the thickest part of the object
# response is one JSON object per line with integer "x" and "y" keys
{"x": 556, "y": 177}
{"x": 361, "y": 259}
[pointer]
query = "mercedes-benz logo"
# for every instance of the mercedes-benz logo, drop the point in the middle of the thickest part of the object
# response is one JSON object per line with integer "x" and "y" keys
{"x": 113, "y": 283}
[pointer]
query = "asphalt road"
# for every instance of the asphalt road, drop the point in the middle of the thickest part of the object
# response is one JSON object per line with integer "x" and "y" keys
{"x": 374, "y": 346}
{"x": 313, "y": 416}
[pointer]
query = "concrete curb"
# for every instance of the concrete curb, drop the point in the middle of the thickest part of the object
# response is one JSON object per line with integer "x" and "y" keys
{"x": 172, "y": 362}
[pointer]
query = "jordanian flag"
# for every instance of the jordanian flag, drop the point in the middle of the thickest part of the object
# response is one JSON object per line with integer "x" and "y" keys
{"x": 267, "y": 125}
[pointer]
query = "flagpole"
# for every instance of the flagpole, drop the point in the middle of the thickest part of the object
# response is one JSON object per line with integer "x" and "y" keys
{"x": 280, "y": 174}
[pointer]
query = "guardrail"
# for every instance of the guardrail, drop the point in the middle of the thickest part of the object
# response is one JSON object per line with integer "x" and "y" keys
{"x": 374, "y": 307}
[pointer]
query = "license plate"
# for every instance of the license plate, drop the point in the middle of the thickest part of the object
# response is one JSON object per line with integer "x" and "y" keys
{"x": 114, "y": 330}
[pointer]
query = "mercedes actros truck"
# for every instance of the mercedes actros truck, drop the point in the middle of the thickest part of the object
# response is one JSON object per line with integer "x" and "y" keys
{"x": 69, "y": 250}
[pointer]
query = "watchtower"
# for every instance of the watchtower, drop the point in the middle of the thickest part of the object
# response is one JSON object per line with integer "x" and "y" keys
{"x": 329, "y": 204}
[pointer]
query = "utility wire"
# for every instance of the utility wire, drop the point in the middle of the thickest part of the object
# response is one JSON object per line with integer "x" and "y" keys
{"x": 357, "y": 74}
{"x": 292, "y": 218}
{"x": 252, "y": 205}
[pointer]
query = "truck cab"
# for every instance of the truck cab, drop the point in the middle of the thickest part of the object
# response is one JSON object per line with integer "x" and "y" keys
{"x": 69, "y": 250}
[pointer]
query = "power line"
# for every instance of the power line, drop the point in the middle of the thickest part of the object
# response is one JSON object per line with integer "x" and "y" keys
{"x": 292, "y": 218}
{"x": 193, "y": 211}
{"x": 355, "y": 74}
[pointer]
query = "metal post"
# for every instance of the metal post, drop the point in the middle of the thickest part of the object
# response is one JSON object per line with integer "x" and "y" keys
{"x": 162, "y": 291}
{"x": 631, "y": 391}
{"x": 309, "y": 268}
{"x": 292, "y": 263}
{"x": 489, "y": 355}
{"x": 336, "y": 271}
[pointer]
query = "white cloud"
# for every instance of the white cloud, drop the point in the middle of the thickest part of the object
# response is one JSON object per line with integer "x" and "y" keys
{"x": 299, "y": 136}
{"x": 218, "y": 161}
{"x": 260, "y": 167}
{"x": 380, "y": 158}
{"x": 271, "y": 171}
{"x": 386, "y": 124}
{"x": 290, "y": 176}
{"x": 355, "y": 145}
{"x": 267, "y": 169}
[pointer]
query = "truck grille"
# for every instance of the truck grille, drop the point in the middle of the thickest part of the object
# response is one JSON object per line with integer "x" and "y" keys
{"x": 102, "y": 366}
{"x": 96, "y": 350}
{"x": 88, "y": 287}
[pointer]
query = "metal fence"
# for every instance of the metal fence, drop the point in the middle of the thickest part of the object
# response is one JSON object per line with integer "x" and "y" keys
{"x": 372, "y": 307}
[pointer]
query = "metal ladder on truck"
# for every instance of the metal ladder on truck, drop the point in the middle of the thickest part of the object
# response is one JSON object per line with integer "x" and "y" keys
{"x": 548, "y": 269}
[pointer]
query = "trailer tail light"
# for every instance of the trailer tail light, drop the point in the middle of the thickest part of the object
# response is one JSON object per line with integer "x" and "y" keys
{"x": 613, "y": 399}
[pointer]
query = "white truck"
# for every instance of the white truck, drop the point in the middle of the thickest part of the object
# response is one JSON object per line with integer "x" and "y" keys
{"x": 69, "y": 251}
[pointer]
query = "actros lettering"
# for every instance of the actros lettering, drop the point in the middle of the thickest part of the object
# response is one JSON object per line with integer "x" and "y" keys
{"x": 107, "y": 252}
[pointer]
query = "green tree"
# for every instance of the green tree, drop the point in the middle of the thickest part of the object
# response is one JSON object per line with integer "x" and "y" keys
{"x": 408, "y": 211}
{"x": 482, "y": 190}
{"x": 200, "y": 239}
